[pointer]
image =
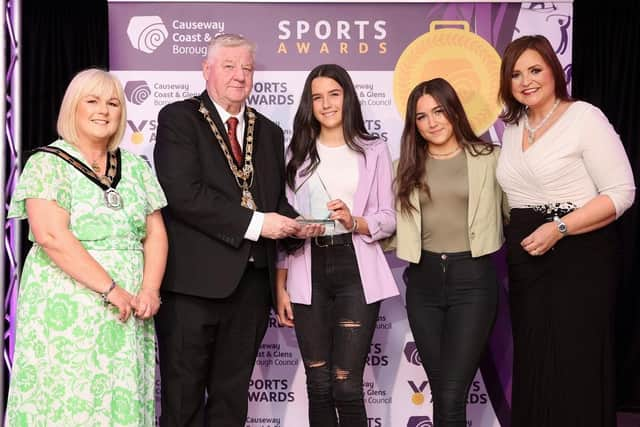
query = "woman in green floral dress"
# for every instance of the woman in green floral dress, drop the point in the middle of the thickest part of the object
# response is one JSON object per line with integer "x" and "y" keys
{"x": 85, "y": 344}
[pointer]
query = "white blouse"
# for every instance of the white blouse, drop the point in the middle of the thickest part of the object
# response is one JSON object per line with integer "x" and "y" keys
{"x": 579, "y": 157}
{"x": 335, "y": 178}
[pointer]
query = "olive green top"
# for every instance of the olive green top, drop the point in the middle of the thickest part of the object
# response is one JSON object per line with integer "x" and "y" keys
{"x": 486, "y": 209}
{"x": 445, "y": 210}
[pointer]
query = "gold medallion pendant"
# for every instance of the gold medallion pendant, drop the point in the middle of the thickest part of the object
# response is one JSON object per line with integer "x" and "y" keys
{"x": 247, "y": 198}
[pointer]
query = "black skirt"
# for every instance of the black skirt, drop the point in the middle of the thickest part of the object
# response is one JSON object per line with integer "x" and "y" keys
{"x": 562, "y": 319}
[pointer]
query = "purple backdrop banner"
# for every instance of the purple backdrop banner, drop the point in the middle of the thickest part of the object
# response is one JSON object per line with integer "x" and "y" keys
{"x": 157, "y": 50}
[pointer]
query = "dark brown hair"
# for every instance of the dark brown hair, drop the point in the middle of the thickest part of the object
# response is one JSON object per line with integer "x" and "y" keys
{"x": 306, "y": 128}
{"x": 413, "y": 147}
{"x": 513, "y": 110}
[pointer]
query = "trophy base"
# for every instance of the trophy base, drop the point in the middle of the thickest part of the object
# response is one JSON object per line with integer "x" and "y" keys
{"x": 325, "y": 222}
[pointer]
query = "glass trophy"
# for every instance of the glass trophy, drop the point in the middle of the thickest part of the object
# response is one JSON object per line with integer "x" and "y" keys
{"x": 311, "y": 200}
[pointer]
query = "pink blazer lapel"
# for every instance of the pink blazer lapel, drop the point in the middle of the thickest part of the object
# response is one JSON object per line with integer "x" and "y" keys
{"x": 366, "y": 167}
{"x": 299, "y": 194}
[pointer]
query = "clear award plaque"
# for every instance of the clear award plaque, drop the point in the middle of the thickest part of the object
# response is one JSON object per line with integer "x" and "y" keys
{"x": 311, "y": 200}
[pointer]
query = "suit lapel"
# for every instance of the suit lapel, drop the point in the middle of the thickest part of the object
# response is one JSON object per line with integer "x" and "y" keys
{"x": 257, "y": 190}
{"x": 477, "y": 173}
{"x": 213, "y": 112}
{"x": 246, "y": 128}
{"x": 222, "y": 127}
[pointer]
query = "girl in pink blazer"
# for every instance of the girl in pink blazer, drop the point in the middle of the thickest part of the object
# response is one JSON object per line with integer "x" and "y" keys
{"x": 332, "y": 284}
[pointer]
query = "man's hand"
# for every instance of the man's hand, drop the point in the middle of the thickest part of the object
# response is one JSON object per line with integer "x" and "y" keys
{"x": 276, "y": 226}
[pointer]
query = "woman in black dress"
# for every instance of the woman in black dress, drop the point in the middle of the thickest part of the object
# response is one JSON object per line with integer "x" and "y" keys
{"x": 567, "y": 178}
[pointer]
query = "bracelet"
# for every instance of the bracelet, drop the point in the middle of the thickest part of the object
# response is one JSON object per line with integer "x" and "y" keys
{"x": 355, "y": 225}
{"x": 104, "y": 295}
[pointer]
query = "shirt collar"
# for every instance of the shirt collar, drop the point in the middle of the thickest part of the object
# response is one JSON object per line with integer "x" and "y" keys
{"x": 224, "y": 115}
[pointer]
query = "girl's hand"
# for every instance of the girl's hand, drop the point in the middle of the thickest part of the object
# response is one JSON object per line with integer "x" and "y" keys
{"x": 284, "y": 310}
{"x": 340, "y": 211}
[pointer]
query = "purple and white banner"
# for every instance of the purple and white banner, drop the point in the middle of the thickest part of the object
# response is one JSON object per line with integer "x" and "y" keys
{"x": 157, "y": 48}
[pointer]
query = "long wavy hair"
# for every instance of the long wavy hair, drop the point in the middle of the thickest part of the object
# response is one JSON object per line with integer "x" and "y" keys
{"x": 306, "y": 128}
{"x": 413, "y": 147}
{"x": 513, "y": 110}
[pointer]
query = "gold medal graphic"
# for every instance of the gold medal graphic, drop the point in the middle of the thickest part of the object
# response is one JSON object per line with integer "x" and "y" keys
{"x": 137, "y": 138}
{"x": 464, "y": 59}
{"x": 417, "y": 398}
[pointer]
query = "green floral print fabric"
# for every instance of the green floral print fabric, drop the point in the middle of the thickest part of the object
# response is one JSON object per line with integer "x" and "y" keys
{"x": 75, "y": 364}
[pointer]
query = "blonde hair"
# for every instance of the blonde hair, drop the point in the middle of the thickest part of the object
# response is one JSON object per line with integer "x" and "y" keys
{"x": 230, "y": 40}
{"x": 92, "y": 81}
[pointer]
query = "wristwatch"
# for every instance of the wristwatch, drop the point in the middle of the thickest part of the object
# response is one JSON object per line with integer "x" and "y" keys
{"x": 562, "y": 227}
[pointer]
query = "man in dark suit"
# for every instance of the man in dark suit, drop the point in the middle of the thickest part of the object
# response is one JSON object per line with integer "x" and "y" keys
{"x": 226, "y": 205}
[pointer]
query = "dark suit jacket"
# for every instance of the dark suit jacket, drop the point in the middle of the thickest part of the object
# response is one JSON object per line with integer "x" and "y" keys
{"x": 205, "y": 222}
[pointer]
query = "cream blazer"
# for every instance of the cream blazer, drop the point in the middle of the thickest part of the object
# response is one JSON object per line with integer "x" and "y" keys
{"x": 487, "y": 205}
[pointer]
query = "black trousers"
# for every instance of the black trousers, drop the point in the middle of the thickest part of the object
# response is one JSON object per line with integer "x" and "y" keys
{"x": 334, "y": 335}
{"x": 210, "y": 346}
{"x": 451, "y": 305}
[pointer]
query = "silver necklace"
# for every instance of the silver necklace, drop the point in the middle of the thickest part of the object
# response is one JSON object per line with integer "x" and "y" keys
{"x": 532, "y": 130}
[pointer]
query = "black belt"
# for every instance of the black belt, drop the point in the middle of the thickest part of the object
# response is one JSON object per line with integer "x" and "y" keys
{"x": 345, "y": 239}
{"x": 447, "y": 255}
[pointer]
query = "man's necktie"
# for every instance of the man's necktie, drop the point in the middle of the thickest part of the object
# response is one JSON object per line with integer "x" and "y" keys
{"x": 232, "y": 124}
